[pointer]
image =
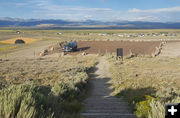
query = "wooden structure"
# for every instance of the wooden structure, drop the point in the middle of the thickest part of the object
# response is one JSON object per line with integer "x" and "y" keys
{"x": 119, "y": 53}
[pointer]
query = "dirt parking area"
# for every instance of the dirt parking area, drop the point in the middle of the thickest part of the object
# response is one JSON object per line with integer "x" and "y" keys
{"x": 101, "y": 47}
{"x": 96, "y": 47}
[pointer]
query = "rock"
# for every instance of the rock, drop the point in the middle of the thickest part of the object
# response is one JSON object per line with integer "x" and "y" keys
{"x": 52, "y": 49}
{"x": 60, "y": 45}
{"x": 153, "y": 55}
{"x": 62, "y": 54}
{"x": 43, "y": 53}
{"x": 6, "y": 59}
{"x": 84, "y": 53}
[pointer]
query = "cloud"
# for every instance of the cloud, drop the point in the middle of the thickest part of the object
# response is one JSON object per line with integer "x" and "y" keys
{"x": 172, "y": 9}
{"x": 145, "y": 18}
{"x": 45, "y": 5}
{"x": 47, "y": 9}
{"x": 161, "y": 15}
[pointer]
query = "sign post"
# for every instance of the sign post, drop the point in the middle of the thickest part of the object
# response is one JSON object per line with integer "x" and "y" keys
{"x": 120, "y": 53}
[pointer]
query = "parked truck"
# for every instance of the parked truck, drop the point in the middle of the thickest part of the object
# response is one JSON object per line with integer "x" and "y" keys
{"x": 70, "y": 46}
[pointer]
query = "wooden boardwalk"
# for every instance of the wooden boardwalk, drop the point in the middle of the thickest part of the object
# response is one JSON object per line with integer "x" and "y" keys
{"x": 101, "y": 104}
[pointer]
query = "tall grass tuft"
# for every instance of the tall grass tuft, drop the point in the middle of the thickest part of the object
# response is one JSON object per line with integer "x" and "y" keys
{"x": 25, "y": 101}
{"x": 53, "y": 89}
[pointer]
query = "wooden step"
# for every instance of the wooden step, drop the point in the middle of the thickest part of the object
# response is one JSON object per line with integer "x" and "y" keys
{"x": 108, "y": 115}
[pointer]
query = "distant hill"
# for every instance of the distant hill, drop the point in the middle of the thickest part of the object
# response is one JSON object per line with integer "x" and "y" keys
{"x": 88, "y": 24}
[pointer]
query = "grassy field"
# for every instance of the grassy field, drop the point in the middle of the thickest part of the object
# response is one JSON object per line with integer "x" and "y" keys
{"x": 54, "y": 87}
{"x": 36, "y": 36}
{"x": 3, "y": 43}
{"x": 33, "y": 36}
{"x": 82, "y": 34}
{"x": 43, "y": 87}
{"x": 147, "y": 83}
{"x": 12, "y": 41}
{"x": 7, "y": 48}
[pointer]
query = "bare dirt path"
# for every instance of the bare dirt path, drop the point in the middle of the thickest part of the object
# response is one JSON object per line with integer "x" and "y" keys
{"x": 101, "y": 104}
{"x": 171, "y": 49}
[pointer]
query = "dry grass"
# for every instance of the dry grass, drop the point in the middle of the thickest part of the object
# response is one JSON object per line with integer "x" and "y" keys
{"x": 7, "y": 48}
{"x": 146, "y": 83}
{"x": 12, "y": 41}
{"x": 84, "y": 34}
{"x": 45, "y": 71}
{"x": 3, "y": 43}
{"x": 49, "y": 88}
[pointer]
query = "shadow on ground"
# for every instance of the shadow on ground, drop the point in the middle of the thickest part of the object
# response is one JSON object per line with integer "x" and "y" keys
{"x": 83, "y": 49}
{"x": 137, "y": 95}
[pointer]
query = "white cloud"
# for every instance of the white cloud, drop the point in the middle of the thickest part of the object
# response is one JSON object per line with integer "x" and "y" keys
{"x": 87, "y": 16}
{"x": 46, "y": 9}
{"x": 51, "y": 10}
{"x": 145, "y": 18}
{"x": 172, "y": 9}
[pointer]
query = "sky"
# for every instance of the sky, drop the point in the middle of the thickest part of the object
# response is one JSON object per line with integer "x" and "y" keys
{"x": 101, "y": 10}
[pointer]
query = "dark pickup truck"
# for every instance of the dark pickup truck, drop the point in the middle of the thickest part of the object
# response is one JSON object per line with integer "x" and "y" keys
{"x": 70, "y": 46}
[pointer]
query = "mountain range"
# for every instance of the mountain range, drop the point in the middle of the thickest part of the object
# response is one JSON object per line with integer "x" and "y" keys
{"x": 87, "y": 24}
